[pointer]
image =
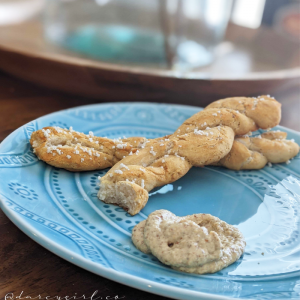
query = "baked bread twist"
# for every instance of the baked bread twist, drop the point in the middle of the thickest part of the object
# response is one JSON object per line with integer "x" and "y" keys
{"x": 76, "y": 151}
{"x": 205, "y": 138}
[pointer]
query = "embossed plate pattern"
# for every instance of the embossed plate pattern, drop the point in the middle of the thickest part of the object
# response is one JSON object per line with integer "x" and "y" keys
{"x": 60, "y": 209}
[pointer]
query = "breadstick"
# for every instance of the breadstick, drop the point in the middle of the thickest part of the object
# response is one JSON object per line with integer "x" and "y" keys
{"x": 71, "y": 150}
{"x": 203, "y": 139}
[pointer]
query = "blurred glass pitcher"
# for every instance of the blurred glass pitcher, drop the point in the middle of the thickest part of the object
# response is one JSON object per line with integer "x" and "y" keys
{"x": 175, "y": 34}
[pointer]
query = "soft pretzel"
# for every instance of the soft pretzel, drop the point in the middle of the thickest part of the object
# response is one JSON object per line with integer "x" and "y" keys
{"x": 199, "y": 243}
{"x": 75, "y": 151}
{"x": 203, "y": 139}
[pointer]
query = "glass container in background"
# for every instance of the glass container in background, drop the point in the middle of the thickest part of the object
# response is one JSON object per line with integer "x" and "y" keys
{"x": 177, "y": 34}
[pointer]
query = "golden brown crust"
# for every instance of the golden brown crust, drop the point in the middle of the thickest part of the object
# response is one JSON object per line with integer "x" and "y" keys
{"x": 255, "y": 152}
{"x": 264, "y": 110}
{"x": 75, "y": 151}
{"x": 205, "y": 138}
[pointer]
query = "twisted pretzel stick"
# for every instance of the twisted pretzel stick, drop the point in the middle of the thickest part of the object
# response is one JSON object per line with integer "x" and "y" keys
{"x": 203, "y": 139}
{"x": 76, "y": 151}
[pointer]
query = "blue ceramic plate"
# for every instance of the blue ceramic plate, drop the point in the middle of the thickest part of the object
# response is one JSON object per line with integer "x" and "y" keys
{"x": 60, "y": 210}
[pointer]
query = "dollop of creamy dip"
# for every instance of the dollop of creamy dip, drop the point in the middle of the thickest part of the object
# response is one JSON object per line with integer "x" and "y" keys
{"x": 199, "y": 243}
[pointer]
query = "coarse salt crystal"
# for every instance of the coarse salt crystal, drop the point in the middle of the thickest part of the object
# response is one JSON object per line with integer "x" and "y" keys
{"x": 118, "y": 172}
{"x": 121, "y": 146}
{"x": 82, "y": 159}
{"x": 68, "y": 156}
{"x": 124, "y": 166}
{"x": 58, "y": 129}
{"x": 46, "y": 132}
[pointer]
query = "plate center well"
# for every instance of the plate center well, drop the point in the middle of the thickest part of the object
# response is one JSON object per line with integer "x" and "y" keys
{"x": 208, "y": 190}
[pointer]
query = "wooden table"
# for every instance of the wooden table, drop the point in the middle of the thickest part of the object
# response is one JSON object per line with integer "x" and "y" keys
{"x": 28, "y": 269}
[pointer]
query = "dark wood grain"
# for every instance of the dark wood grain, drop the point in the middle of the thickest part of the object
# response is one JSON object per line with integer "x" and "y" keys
{"x": 26, "y": 266}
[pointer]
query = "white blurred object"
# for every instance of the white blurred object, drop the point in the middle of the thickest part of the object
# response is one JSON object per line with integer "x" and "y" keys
{"x": 18, "y": 11}
{"x": 248, "y": 13}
